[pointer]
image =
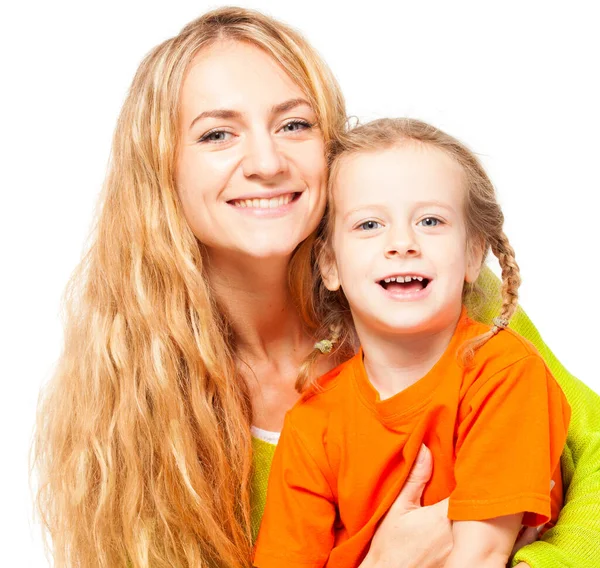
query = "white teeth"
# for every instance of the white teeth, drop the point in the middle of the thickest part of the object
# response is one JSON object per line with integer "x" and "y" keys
{"x": 404, "y": 279}
{"x": 264, "y": 203}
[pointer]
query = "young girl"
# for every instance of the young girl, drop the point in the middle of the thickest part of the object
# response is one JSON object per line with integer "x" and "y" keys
{"x": 411, "y": 217}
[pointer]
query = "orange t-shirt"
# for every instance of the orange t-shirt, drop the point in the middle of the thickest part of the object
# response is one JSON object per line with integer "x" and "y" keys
{"x": 496, "y": 430}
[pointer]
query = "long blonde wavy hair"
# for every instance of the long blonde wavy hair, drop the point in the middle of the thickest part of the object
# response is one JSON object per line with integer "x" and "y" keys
{"x": 485, "y": 229}
{"x": 142, "y": 447}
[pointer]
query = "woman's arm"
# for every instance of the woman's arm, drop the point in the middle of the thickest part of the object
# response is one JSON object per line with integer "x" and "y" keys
{"x": 575, "y": 539}
{"x": 411, "y": 536}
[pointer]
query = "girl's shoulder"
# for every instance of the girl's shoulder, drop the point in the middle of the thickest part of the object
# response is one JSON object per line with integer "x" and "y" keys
{"x": 507, "y": 344}
{"x": 328, "y": 384}
{"x": 330, "y": 391}
{"x": 504, "y": 355}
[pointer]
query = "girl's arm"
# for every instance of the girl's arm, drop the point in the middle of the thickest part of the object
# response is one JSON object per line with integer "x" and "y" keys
{"x": 483, "y": 544}
{"x": 574, "y": 540}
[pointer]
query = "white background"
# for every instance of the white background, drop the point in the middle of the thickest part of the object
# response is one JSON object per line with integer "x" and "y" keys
{"x": 517, "y": 81}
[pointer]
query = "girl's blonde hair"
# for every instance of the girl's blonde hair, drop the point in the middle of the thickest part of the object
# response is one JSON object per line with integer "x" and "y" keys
{"x": 142, "y": 445}
{"x": 484, "y": 221}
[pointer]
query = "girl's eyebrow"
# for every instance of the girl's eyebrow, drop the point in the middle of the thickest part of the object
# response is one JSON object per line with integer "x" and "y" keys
{"x": 371, "y": 206}
{"x": 225, "y": 113}
{"x": 418, "y": 205}
{"x": 441, "y": 204}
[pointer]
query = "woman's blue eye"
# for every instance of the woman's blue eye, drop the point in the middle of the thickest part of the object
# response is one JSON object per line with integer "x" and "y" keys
{"x": 429, "y": 222}
{"x": 216, "y": 136}
{"x": 369, "y": 225}
{"x": 295, "y": 126}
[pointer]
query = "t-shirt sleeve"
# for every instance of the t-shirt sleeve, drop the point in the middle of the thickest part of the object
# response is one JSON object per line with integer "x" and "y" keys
{"x": 513, "y": 427}
{"x": 297, "y": 527}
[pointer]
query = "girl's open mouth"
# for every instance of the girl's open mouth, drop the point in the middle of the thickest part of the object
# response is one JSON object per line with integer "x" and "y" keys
{"x": 404, "y": 284}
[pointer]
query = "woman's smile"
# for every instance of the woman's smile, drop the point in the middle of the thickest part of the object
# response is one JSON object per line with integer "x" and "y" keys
{"x": 251, "y": 169}
{"x": 272, "y": 204}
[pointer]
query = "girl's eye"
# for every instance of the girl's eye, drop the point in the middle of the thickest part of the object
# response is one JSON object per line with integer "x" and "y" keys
{"x": 430, "y": 222}
{"x": 296, "y": 126}
{"x": 369, "y": 225}
{"x": 216, "y": 136}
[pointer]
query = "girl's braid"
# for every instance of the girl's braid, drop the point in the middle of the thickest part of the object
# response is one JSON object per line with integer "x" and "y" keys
{"x": 511, "y": 276}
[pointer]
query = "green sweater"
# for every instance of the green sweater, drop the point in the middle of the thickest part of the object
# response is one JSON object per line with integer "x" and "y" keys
{"x": 575, "y": 540}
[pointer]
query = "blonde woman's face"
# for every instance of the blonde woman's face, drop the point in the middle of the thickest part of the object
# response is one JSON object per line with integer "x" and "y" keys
{"x": 251, "y": 168}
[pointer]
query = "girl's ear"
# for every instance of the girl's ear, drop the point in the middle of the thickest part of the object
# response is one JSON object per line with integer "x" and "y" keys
{"x": 475, "y": 258}
{"x": 328, "y": 269}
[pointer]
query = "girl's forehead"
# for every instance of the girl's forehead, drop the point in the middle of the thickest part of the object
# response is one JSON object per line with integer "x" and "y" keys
{"x": 407, "y": 170}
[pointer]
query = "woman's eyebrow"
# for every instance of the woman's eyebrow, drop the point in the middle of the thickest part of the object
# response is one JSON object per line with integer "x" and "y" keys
{"x": 216, "y": 113}
{"x": 289, "y": 105}
{"x": 225, "y": 113}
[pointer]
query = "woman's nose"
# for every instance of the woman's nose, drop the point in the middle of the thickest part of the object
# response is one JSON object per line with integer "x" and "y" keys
{"x": 263, "y": 158}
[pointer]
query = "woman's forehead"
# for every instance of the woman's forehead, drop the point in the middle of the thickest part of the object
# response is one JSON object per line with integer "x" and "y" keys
{"x": 236, "y": 75}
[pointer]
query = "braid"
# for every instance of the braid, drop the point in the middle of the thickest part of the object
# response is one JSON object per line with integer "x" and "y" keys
{"x": 511, "y": 280}
{"x": 511, "y": 276}
{"x": 337, "y": 329}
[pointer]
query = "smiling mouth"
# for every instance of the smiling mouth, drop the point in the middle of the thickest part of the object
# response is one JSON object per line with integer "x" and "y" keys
{"x": 264, "y": 203}
{"x": 404, "y": 284}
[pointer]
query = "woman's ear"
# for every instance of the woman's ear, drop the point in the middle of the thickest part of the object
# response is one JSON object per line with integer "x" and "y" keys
{"x": 475, "y": 258}
{"x": 328, "y": 269}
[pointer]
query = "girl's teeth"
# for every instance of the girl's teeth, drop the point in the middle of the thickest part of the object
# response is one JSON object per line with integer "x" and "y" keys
{"x": 403, "y": 278}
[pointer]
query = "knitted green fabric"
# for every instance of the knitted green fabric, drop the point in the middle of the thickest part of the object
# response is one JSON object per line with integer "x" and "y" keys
{"x": 262, "y": 458}
{"x": 575, "y": 540}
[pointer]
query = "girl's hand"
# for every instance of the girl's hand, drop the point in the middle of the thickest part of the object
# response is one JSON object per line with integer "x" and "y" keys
{"x": 412, "y": 536}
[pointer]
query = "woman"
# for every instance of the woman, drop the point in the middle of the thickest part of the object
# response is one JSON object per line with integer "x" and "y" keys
{"x": 187, "y": 319}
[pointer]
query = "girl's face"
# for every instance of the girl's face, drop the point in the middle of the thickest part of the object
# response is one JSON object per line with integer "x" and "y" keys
{"x": 400, "y": 240}
{"x": 251, "y": 166}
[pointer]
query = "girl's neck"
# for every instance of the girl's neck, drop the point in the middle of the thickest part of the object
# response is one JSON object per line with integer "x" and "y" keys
{"x": 394, "y": 362}
{"x": 256, "y": 297}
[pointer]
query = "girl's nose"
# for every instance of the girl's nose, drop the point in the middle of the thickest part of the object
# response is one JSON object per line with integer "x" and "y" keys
{"x": 402, "y": 245}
